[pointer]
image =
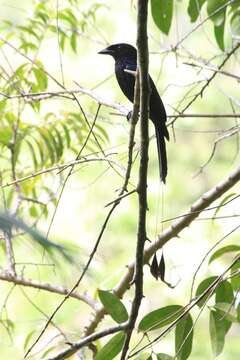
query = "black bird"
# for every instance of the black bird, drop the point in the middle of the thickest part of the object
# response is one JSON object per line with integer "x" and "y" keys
{"x": 125, "y": 56}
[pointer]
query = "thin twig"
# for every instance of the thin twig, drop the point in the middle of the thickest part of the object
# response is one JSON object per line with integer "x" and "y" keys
{"x": 19, "y": 280}
{"x": 57, "y": 168}
{"x": 214, "y": 69}
{"x": 87, "y": 340}
{"x": 209, "y": 80}
{"x": 207, "y": 292}
{"x": 142, "y": 46}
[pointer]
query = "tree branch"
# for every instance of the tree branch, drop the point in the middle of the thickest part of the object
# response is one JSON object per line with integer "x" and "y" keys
{"x": 171, "y": 232}
{"x": 19, "y": 280}
{"x": 87, "y": 340}
{"x": 142, "y": 46}
{"x": 209, "y": 80}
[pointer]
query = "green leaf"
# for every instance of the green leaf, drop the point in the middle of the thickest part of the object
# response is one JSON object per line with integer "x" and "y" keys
{"x": 28, "y": 338}
{"x": 68, "y": 16}
{"x": 103, "y": 132}
{"x": 41, "y": 78}
{"x": 73, "y": 41}
{"x": 29, "y": 31}
{"x": 184, "y": 337}
{"x": 235, "y": 23}
{"x": 227, "y": 311}
{"x": 9, "y": 324}
{"x": 33, "y": 211}
{"x": 45, "y": 353}
{"x": 162, "y": 12}
{"x": 40, "y": 148}
{"x": 49, "y": 145}
{"x": 63, "y": 38}
{"x": 218, "y": 328}
{"x": 7, "y": 222}
{"x": 224, "y": 293}
{"x": 112, "y": 348}
{"x": 160, "y": 317}
{"x": 219, "y": 35}
{"x": 202, "y": 287}
{"x": 67, "y": 136}
{"x": 161, "y": 356}
{"x": 225, "y": 200}
{"x": 238, "y": 313}
{"x": 194, "y": 8}
{"x": 2, "y": 104}
{"x": 32, "y": 152}
{"x": 113, "y": 305}
{"x": 235, "y": 276}
{"x": 216, "y": 10}
{"x": 59, "y": 143}
{"x": 235, "y": 5}
{"x": 224, "y": 250}
{"x": 5, "y": 135}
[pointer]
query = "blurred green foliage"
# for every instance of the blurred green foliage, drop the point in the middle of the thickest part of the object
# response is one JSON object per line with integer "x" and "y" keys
{"x": 46, "y": 47}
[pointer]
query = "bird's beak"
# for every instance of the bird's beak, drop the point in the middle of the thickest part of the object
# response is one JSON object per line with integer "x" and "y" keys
{"x": 106, "y": 51}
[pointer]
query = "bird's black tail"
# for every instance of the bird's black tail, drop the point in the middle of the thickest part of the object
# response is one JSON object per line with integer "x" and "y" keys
{"x": 162, "y": 154}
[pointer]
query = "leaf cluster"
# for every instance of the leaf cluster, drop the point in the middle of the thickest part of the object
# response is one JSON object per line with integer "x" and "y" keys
{"x": 220, "y": 12}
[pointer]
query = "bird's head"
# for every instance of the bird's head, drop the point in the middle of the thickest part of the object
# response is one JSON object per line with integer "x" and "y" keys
{"x": 119, "y": 51}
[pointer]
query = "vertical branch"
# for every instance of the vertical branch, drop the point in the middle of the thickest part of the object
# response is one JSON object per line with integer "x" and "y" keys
{"x": 142, "y": 46}
{"x": 9, "y": 252}
{"x": 8, "y": 233}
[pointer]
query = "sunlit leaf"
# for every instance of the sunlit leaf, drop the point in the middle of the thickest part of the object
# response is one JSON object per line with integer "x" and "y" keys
{"x": 67, "y": 135}
{"x": 224, "y": 293}
{"x": 219, "y": 34}
{"x": 5, "y": 135}
{"x": 8, "y": 222}
{"x": 184, "y": 337}
{"x": 28, "y": 339}
{"x": 33, "y": 211}
{"x": 162, "y": 12}
{"x": 235, "y": 276}
{"x": 194, "y": 8}
{"x": 49, "y": 145}
{"x": 161, "y": 356}
{"x": 113, "y": 306}
{"x": 73, "y": 41}
{"x": 223, "y": 201}
{"x": 218, "y": 329}
{"x": 41, "y": 78}
{"x": 160, "y": 317}
{"x": 202, "y": 287}
{"x": 238, "y": 313}
{"x": 59, "y": 143}
{"x": 2, "y": 104}
{"x": 216, "y": 10}
{"x": 30, "y": 31}
{"x": 224, "y": 250}
{"x": 32, "y": 152}
{"x": 235, "y": 23}
{"x": 227, "y": 310}
{"x": 112, "y": 348}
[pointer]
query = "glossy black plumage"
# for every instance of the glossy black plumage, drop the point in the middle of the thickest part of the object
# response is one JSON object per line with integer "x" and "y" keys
{"x": 125, "y": 57}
